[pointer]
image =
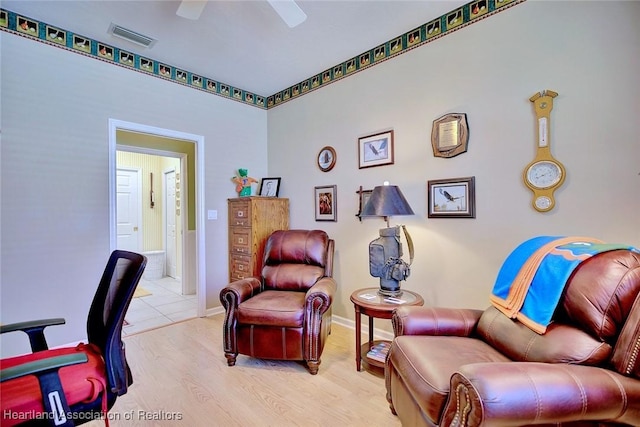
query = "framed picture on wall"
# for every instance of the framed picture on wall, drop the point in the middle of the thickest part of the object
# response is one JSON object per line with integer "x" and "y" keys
{"x": 375, "y": 150}
{"x": 451, "y": 198}
{"x": 363, "y": 198}
{"x": 270, "y": 187}
{"x": 326, "y": 203}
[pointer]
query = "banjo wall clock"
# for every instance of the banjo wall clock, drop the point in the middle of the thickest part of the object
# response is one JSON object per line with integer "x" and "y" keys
{"x": 544, "y": 174}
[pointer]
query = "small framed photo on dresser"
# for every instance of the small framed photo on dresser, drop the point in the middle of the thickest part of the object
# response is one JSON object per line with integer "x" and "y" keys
{"x": 270, "y": 187}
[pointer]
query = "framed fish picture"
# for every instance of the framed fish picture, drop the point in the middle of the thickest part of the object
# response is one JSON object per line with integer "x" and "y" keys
{"x": 375, "y": 150}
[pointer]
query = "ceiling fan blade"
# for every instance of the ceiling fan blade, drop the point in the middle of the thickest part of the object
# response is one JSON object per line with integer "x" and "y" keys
{"x": 191, "y": 9}
{"x": 289, "y": 11}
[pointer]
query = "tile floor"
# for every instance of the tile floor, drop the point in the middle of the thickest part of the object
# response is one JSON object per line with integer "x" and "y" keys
{"x": 164, "y": 306}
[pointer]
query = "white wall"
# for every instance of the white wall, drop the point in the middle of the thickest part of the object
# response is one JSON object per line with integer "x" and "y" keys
{"x": 587, "y": 52}
{"x": 55, "y": 174}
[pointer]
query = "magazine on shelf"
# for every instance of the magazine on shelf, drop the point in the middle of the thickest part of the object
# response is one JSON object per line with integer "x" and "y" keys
{"x": 379, "y": 351}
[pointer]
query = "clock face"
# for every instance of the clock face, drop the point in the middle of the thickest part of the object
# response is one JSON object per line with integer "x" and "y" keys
{"x": 543, "y": 203}
{"x": 326, "y": 159}
{"x": 544, "y": 174}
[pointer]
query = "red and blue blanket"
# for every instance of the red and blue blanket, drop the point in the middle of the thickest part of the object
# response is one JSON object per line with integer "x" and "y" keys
{"x": 532, "y": 278}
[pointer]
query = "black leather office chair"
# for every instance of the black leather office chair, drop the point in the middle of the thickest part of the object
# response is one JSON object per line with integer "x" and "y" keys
{"x": 70, "y": 386}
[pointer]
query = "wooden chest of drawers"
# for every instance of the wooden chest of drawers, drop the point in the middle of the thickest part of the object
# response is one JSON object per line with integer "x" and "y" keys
{"x": 251, "y": 221}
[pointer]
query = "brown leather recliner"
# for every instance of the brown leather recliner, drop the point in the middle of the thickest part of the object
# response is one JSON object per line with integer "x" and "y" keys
{"x": 286, "y": 313}
{"x": 463, "y": 367}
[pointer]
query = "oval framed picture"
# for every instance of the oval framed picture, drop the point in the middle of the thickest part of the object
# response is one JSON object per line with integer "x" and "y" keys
{"x": 326, "y": 158}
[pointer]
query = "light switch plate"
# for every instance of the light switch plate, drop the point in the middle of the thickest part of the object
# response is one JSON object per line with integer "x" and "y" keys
{"x": 212, "y": 214}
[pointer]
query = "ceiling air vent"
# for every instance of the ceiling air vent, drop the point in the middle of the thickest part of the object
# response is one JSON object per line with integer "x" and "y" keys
{"x": 130, "y": 35}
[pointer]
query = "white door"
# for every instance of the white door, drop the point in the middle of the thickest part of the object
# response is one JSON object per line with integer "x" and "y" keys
{"x": 170, "y": 223}
{"x": 128, "y": 209}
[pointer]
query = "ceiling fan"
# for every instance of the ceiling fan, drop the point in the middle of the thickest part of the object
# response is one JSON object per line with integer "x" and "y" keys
{"x": 288, "y": 10}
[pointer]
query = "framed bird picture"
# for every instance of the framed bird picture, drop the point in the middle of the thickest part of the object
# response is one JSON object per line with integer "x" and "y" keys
{"x": 326, "y": 158}
{"x": 452, "y": 198}
{"x": 375, "y": 150}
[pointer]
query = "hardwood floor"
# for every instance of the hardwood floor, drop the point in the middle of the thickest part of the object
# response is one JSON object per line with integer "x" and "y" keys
{"x": 181, "y": 377}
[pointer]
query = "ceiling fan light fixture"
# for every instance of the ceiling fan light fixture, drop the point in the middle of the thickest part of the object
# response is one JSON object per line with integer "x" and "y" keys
{"x": 131, "y": 36}
{"x": 289, "y": 11}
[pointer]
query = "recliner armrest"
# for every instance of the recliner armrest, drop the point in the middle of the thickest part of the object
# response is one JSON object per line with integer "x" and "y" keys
{"x": 416, "y": 320}
{"x": 324, "y": 290}
{"x": 519, "y": 393}
{"x": 34, "y": 329}
{"x": 240, "y": 290}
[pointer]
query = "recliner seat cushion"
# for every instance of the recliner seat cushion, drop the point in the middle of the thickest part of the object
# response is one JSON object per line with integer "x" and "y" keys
{"x": 426, "y": 364}
{"x": 520, "y": 343}
{"x": 273, "y": 308}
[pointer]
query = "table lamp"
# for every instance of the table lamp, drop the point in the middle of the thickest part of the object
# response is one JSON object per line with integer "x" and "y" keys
{"x": 385, "y": 252}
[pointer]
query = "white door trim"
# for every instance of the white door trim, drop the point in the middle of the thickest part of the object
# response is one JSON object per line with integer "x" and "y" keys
{"x": 200, "y": 267}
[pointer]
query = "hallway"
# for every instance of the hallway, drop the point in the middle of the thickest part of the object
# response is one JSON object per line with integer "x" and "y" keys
{"x": 162, "y": 306}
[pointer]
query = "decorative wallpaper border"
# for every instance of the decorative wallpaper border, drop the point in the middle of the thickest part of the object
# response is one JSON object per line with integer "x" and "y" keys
{"x": 446, "y": 24}
{"x": 55, "y": 36}
{"x": 454, "y": 20}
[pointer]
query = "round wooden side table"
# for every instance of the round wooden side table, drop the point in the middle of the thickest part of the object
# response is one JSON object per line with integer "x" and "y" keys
{"x": 368, "y": 301}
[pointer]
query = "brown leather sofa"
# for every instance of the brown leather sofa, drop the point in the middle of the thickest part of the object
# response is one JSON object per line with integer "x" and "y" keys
{"x": 464, "y": 367}
{"x": 285, "y": 314}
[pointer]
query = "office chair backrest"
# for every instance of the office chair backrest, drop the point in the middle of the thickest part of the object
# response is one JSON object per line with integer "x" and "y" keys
{"x": 106, "y": 315}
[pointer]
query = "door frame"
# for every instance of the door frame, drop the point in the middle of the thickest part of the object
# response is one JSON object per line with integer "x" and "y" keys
{"x": 200, "y": 268}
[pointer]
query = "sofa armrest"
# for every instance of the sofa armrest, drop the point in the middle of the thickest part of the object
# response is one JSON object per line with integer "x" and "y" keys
{"x": 319, "y": 297}
{"x": 519, "y": 393}
{"x": 240, "y": 290}
{"x": 415, "y": 320}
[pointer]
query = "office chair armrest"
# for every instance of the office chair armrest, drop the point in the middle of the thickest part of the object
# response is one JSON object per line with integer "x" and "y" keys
{"x": 519, "y": 393}
{"x": 34, "y": 329}
{"x": 41, "y": 366}
{"x": 417, "y": 320}
{"x": 240, "y": 290}
{"x": 324, "y": 291}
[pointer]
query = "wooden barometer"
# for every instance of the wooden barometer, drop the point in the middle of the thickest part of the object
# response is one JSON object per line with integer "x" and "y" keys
{"x": 544, "y": 174}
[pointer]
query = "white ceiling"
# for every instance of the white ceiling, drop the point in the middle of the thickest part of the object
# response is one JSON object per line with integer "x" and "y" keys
{"x": 242, "y": 43}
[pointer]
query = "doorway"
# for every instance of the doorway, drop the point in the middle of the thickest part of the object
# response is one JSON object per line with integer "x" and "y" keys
{"x": 148, "y": 211}
{"x": 149, "y": 221}
{"x": 188, "y": 195}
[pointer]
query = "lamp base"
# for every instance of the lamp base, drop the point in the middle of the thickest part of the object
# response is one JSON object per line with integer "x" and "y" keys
{"x": 387, "y": 293}
{"x": 389, "y": 287}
